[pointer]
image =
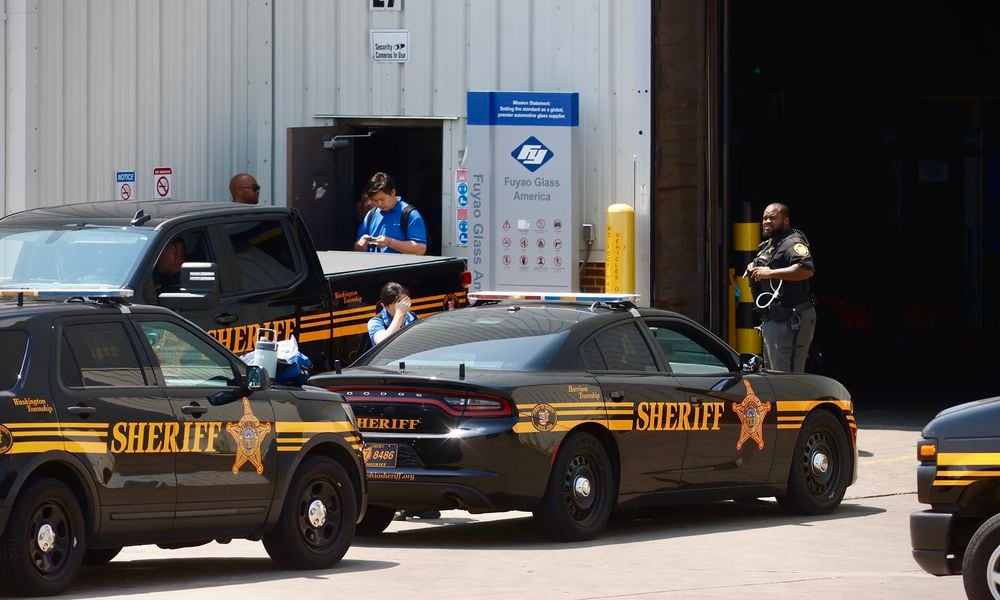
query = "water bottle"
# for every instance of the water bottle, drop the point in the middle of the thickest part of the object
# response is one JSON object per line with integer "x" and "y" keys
{"x": 266, "y": 351}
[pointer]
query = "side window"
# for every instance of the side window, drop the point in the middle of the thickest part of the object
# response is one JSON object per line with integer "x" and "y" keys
{"x": 13, "y": 345}
{"x": 185, "y": 359}
{"x": 685, "y": 354}
{"x": 624, "y": 349}
{"x": 264, "y": 257}
{"x": 98, "y": 355}
{"x": 187, "y": 246}
{"x": 591, "y": 355}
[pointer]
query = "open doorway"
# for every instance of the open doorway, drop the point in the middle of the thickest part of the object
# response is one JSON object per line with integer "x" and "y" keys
{"x": 329, "y": 167}
{"x": 412, "y": 155}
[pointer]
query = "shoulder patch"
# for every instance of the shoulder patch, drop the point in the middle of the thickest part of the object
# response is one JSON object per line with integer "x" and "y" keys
{"x": 801, "y": 249}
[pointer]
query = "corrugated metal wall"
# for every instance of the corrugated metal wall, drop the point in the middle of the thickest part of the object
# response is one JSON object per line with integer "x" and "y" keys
{"x": 210, "y": 88}
{"x": 123, "y": 84}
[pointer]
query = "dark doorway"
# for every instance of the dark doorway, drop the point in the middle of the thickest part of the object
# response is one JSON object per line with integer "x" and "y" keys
{"x": 328, "y": 168}
{"x": 412, "y": 155}
{"x": 877, "y": 124}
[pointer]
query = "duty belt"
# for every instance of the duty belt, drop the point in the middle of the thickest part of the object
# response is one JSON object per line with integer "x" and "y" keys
{"x": 765, "y": 314}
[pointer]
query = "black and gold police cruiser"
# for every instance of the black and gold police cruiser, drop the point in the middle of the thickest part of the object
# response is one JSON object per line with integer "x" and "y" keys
{"x": 125, "y": 424}
{"x": 959, "y": 477}
{"x": 573, "y": 409}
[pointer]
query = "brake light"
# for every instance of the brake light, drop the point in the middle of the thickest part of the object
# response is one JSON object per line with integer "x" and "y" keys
{"x": 454, "y": 403}
{"x": 465, "y": 278}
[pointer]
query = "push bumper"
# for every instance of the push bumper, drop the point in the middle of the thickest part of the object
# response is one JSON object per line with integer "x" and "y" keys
{"x": 930, "y": 537}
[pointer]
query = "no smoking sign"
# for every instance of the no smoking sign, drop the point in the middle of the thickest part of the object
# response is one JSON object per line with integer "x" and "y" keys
{"x": 161, "y": 183}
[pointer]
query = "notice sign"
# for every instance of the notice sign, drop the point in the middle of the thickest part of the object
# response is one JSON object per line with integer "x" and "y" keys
{"x": 162, "y": 186}
{"x": 462, "y": 211}
{"x": 390, "y": 45}
{"x": 124, "y": 185}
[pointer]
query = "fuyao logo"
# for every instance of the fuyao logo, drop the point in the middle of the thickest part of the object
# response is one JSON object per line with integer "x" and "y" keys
{"x": 532, "y": 153}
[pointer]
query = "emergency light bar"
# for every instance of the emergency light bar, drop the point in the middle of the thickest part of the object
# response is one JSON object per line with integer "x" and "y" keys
{"x": 64, "y": 293}
{"x": 544, "y": 297}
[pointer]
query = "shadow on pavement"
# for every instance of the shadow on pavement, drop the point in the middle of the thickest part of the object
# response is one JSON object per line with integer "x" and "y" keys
{"x": 189, "y": 573}
{"x": 624, "y": 528}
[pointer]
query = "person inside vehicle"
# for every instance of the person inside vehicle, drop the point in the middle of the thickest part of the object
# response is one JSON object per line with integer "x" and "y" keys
{"x": 167, "y": 272}
{"x": 393, "y": 312}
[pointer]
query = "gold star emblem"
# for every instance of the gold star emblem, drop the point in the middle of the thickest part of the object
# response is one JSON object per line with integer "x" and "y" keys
{"x": 249, "y": 434}
{"x": 751, "y": 413}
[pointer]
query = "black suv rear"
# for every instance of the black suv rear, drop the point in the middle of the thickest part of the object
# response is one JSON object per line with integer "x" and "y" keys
{"x": 126, "y": 424}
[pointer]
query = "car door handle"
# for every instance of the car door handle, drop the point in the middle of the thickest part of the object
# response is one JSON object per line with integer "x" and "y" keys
{"x": 312, "y": 308}
{"x": 226, "y": 319}
{"x": 617, "y": 395}
{"x": 81, "y": 410}
{"x": 696, "y": 399}
{"x": 194, "y": 409}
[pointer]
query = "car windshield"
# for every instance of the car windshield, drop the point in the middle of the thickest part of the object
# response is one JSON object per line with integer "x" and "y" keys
{"x": 482, "y": 338}
{"x": 68, "y": 256}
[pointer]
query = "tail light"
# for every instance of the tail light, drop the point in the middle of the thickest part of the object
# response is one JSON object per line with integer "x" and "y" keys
{"x": 465, "y": 278}
{"x": 456, "y": 404}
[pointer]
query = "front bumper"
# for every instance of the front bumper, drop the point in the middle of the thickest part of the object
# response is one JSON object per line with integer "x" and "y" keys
{"x": 930, "y": 537}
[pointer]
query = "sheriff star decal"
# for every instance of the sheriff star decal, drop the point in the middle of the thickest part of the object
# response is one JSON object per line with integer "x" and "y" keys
{"x": 249, "y": 434}
{"x": 751, "y": 412}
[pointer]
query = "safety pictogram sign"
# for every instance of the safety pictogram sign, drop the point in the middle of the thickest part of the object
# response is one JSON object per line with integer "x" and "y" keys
{"x": 124, "y": 185}
{"x": 161, "y": 183}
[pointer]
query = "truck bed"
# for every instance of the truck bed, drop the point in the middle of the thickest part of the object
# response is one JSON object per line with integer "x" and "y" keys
{"x": 338, "y": 263}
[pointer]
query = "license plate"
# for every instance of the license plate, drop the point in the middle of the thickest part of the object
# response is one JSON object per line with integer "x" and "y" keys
{"x": 380, "y": 456}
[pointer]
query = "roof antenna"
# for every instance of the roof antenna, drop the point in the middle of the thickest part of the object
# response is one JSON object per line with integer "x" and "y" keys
{"x": 402, "y": 366}
{"x": 461, "y": 371}
{"x": 337, "y": 367}
{"x": 140, "y": 218}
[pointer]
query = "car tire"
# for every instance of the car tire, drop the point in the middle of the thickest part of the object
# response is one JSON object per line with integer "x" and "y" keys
{"x": 579, "y": 494}
{"x": 316, "y": 525}
{"x": 99, "y": 557}
{"x": 43, "y": 545}
{"x": 377, "y": 518}
{"x": 821, "y": 467}
{"x": 981, "y": 564}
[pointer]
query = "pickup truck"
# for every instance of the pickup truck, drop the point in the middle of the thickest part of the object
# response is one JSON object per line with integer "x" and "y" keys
{"x": 267, "y": 273}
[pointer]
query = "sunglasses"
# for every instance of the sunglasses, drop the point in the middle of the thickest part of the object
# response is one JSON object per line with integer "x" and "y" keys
{"x": 255, "y": 187}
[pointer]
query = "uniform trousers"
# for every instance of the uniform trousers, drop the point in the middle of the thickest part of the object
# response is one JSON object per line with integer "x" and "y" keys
{"x": 781, "y": 341}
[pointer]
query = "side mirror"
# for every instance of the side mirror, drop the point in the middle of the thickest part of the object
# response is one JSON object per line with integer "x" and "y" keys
{"x": 199, "y": 288}
{"x": 257, "y": 379}
{"x": 751, "y": 363}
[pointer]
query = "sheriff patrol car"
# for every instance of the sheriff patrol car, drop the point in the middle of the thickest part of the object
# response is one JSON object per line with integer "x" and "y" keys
{"x": 573, "y": 406}
{"x": 125, "y": 424}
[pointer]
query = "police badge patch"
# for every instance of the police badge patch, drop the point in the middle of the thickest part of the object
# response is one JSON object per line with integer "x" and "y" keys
{"x": 6, "y": 440}
{"x": 543, "y": 417}
{"x": 801, "y": 249}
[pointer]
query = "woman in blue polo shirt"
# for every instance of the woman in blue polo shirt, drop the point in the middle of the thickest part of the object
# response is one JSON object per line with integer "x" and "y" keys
{"x": 393, "y": 225}
{"x": 393, "y": 312}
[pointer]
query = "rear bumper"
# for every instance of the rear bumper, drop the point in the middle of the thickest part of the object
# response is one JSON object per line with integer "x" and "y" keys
{"x": 426, "y": 489}
{"x": 930, "y": 537}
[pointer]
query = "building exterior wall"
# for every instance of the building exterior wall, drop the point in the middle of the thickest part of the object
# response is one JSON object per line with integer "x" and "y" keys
{"x": 210, "y": 89}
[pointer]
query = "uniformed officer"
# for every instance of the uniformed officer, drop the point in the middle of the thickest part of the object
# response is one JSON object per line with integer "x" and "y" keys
{"x": 779, "y": 279}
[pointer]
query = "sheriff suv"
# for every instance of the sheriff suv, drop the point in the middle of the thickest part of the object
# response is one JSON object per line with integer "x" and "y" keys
{"x": 959, "y": 457}
{"x": 125, "y": 424}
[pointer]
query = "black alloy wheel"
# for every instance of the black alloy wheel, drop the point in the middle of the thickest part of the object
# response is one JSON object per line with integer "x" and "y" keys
{"x": 376, "y": 519}
{"x": 578, "y": 499}
{"x": 43, "y": 545}
{"x": 981, "y": 563}
{"x": 317, "y": 521}
{"x": 821, "y": 466}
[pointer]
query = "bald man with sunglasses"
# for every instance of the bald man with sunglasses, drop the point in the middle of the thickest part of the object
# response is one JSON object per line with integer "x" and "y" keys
{"x": 244, "y": 189}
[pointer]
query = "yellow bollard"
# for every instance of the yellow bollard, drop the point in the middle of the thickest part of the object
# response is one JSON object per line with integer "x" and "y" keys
{"x": 619, "y": 269}
{"x": 746, "y": 238}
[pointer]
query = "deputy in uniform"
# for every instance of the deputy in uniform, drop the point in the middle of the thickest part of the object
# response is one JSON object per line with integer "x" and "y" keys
{"x": 779, "y": 279}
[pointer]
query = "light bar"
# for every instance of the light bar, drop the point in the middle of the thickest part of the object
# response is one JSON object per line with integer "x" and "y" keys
{"x": 544, "y": 297}
{"x": 66, "y": 293}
